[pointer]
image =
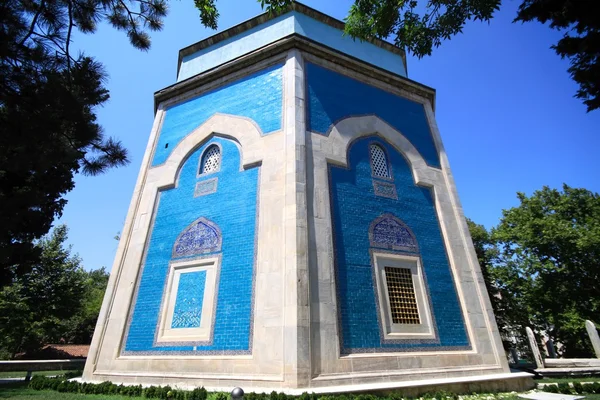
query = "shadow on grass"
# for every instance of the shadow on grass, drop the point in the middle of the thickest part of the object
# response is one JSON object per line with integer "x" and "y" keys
{"x": 13, "y": 389}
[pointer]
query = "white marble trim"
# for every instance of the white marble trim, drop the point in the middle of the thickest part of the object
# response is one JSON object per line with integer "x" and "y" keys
{"x": 467, "y": 243}
{"x": 203, "y": 333}
{"x": 423, "y": 330}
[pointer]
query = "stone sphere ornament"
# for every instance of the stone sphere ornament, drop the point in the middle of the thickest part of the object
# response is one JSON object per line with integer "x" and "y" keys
{"x": 237, "y": 393}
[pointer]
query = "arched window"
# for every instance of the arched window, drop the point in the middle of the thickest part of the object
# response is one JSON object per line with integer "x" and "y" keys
{"x": 402, "y": 293}
{"x": 211, "y": 161}
{"x": 379, "y": 164}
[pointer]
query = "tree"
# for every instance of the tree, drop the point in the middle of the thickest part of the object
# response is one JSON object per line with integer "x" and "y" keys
{"x": 549, "y": 263}
{"x": 48, "y": 127}
{"x": 580, "y": 44}
{"x": 57, "y": 301}
{"x": 35, "y": 308}
{"x": 504, "y": 286}
{"x": 419, "y": 26}
{"x": 80, "y": 327}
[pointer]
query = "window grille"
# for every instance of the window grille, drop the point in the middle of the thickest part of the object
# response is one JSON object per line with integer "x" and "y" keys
{"x": 401, "y": 292}
{"x": 212, "y": 160}
{"x": 379, "y": 163}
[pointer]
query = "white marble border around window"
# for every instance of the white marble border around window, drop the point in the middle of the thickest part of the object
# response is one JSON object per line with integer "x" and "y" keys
{"x": 391, "y": 331}
{"x": 204, "y": 331}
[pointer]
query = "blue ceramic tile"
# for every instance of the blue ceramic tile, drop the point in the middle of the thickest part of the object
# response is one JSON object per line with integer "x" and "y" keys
{"x": 355, "y": 207}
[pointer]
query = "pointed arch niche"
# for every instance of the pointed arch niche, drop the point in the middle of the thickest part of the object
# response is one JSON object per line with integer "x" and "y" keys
{"x": 398, "y": 233}
{"x": 401, "y": 290}
{"x": 189, "y": 299}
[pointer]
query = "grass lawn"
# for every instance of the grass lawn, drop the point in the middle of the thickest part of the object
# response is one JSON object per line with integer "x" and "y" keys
{"x": 569, "y": 380}
{"x": 23, "y": 374}
{"x": 20, "y": 391}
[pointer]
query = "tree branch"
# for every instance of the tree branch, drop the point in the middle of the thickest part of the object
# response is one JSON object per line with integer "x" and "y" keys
{"x": 33, "y": 23}
{"x": 69, "y": 38}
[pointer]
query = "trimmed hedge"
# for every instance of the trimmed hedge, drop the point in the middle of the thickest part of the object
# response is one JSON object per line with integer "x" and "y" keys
{"x": 574, "y": 388}
{"x": 62, "y": 384}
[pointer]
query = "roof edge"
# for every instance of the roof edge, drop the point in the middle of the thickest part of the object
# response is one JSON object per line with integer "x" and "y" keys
{"x": 266, "y": 16}
{"x": 277, "y": 50}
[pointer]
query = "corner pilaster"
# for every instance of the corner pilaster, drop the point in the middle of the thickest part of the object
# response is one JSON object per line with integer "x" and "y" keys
{"x": 296, "y": 289}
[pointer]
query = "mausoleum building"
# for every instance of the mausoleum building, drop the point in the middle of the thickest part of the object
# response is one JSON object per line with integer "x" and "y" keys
{"x": 295, "y": 226}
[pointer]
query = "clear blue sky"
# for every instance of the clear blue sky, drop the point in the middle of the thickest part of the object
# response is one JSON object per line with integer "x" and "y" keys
{"x": 505, "y": 110}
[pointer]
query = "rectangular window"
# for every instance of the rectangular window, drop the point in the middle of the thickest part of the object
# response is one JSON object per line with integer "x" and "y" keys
{"x": 188, "y": 302}
{"x": 401, "y": 292}
{"x": 403, "y": 300}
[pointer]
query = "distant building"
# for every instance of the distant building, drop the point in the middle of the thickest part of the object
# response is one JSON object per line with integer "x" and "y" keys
{"x": 295, "y": 225}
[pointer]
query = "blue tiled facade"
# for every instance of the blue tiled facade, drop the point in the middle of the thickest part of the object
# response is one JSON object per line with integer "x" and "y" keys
{"x": 258, "y": 97}
{"x": 227, "y": 219}
{"x": 188, "y": 303}
{"x": 355, "y": 206}
{"x": 332, "y": 97}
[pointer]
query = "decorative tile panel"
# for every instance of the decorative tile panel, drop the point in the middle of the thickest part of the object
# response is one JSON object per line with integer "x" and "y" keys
{"x": 201, "y": 237}
{"x": 385, "y": 189}
{"x": 206, "y": 187}
{"x": 391, "y": 233}
{"x": 188, "y": 304}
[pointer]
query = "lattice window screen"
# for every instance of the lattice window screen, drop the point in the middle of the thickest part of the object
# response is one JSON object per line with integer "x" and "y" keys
{"x": 379, "y": 163}
{"x": 212, "y": 160}
{"x": 401, "y": 293}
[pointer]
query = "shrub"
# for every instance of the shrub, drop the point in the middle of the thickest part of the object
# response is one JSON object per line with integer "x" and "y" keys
{"x": 167, "y": 393}
{"x": 221, "y": 396}
{"x": 550, "y": 388}
{"x": 164, "y": 392}
{"x": 150, "y": 392}
{"x": 564, "y": 388}
{"x": 577, "y": 387}
{"x": 61, "y": 387}
{"x": 198, "y": 394}
{"x": 38, "y": 382}
{"x": 395, "y": 396}
{"x": 72, "y": 374}
{"x": 362, "y": 397}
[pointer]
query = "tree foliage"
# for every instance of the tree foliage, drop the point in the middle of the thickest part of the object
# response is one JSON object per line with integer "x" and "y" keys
{"x": 580, "y": 22}
{"x": 418, "y": 31}
{"x": 80, "y": 327}
{"x": 553, "y": 238}
{"x": 420, "y": 26}
{"x": 542, "y": 264}
{"x": 57, "y": 301}
{"x": 507, "y": 290}
{"x": 48, "y": 127}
